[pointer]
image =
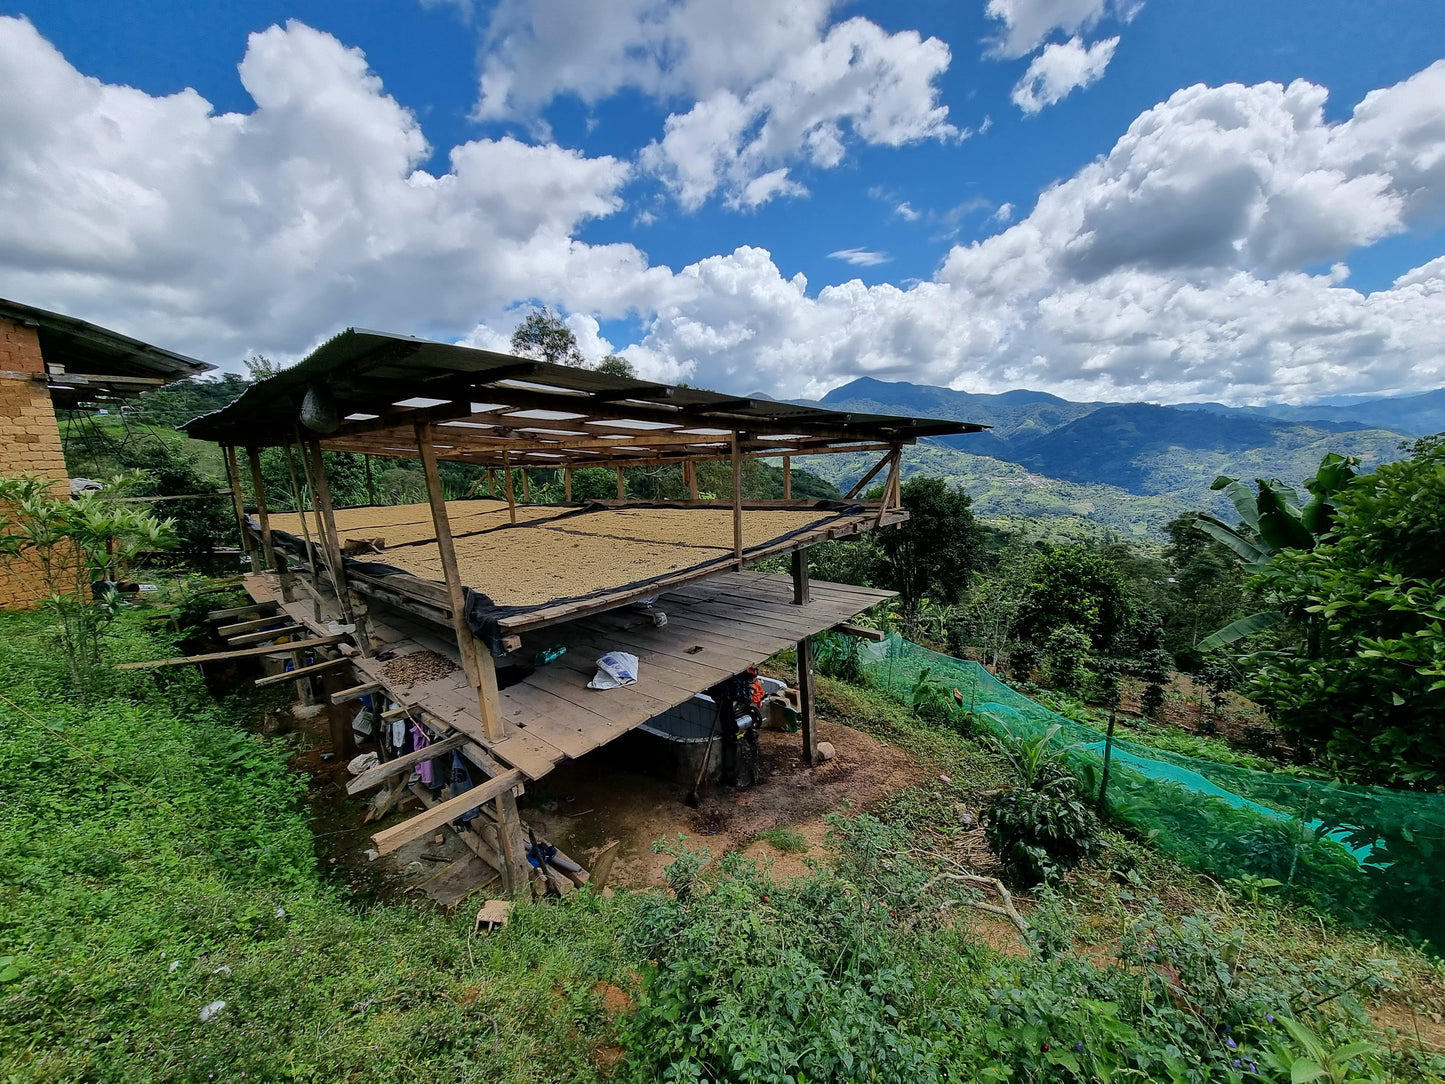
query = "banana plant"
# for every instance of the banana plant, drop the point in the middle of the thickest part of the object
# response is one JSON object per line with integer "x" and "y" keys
{"x": 1273, "y": 519}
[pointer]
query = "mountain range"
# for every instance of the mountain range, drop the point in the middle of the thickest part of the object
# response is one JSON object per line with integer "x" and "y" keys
{"x": 1130, "y": 467}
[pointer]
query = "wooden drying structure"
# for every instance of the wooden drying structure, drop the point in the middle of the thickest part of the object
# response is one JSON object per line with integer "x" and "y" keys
{"x": 393, "y": 396}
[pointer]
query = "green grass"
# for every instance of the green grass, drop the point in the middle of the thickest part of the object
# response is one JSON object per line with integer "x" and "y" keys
{"x": 156, "y": 857}
{"x": 787, "y": 840}
{"x": 972, "y": 764}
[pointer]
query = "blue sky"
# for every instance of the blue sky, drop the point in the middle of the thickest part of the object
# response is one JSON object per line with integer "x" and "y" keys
{"x": 661, "y": 176}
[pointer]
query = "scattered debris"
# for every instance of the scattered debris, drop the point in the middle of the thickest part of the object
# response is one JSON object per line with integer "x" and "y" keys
{"x": 493, "y": 913}
{"x": 211, "y": 1011}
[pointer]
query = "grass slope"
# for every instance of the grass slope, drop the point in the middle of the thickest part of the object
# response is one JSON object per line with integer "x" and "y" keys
{"x": 155, "y": 859}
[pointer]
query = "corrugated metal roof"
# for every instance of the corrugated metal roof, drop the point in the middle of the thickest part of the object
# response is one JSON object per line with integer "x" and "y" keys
{"x": 87, "y": 361}
{"x": 482, "y": 401}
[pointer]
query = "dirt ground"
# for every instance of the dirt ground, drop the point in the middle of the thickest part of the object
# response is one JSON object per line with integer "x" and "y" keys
{"x": 605, "y": 796}
{"x": 583, "y": 805}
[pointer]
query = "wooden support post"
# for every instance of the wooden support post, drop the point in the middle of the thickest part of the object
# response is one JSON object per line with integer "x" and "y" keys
{"x": 621, "y": 486}
{"x": 305, "y": 529}
{"x": 890, "y": 487}
{"x": 279, "y": 561}
{"x": 526, "y": 486}
{"x": 233, "y": 473}
{"x": 858, "y": 486}
{"x": 1108, "y": 755}
{"x": 476, "y": 661}
{"x": 370, "y": 486}
{"x": 303, "y": 684}
{"x": 253, "y": 455}
{"x": 787, "y": 477}
{"x": 507, "y": 478}
{"x": 800, "y": 577}
{"x": 326, "y": 517}
{"x": 689, "y": 468}
{"x": 517, "y": 873}
{"x": 805, "y": 701}
{"x": 737, "y": 502}
{"x": 567, "y": 484}
{"x": 343, "y": 738}
{"x": 491, "y": 482}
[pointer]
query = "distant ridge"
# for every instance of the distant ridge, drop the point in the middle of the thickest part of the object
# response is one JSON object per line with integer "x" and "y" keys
{"x": 1167, "y": 454}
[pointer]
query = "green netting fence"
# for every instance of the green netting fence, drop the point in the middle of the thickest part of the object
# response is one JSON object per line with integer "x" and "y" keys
{"x": 1365, "y": 854}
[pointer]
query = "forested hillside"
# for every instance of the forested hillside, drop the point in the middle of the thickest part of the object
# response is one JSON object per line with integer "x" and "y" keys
{"x": 1127, "y": 466}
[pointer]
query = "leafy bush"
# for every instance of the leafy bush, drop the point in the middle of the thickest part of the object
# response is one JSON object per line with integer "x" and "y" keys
{"x": 755, "y": 981}
{"x": 1067, "y": 650}
{"x": 1041, "y": 827}
{"x": 930, "y": 698}
{"x": 838, "y": 656}
{"x": 71, "y": 547}
{"x": 1358, "y": 672}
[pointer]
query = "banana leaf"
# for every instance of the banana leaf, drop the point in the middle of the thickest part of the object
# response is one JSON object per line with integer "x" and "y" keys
{"x": 1242, "y": 497}
{"x": 1279, "y": 522}
{"x": 1247, "y": 551}
{"x": 1245, "y": 626}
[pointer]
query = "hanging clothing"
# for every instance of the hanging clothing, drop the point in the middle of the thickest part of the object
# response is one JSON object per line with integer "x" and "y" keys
{"x": 461, "y": 783}
{"x": 420, "y": 740}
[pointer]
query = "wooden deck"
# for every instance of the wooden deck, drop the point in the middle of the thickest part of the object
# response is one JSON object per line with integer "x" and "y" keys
{"x": 716, "y": 627}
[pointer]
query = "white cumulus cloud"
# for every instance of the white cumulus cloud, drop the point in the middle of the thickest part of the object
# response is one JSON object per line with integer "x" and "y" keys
{"x": 1169, "y": 269}
{"x": 221, "y": 233}
{"x": 1061, "y": 69}
{"x": 1026, "y": 23}
{"x": 856, "y": 82}
{"x": 667, "y": 49}
{"x": 1175, "y": 267}
{"x": 766, "y": 86}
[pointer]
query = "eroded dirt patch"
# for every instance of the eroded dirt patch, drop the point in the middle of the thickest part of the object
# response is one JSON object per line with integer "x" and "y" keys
{"x": 605, "y": 796}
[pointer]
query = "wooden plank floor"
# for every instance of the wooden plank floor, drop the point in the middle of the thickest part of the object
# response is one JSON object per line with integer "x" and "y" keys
{"x": 716, "y": 628}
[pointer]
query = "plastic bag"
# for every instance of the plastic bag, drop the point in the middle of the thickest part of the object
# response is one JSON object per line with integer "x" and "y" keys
{"x": 614, "y": 670}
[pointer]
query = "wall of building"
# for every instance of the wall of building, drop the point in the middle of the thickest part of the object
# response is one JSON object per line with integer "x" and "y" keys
{"x": 29, "y": 436}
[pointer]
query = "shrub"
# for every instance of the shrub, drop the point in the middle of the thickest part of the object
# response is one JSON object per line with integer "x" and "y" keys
{"x": 75, "y": 548}
{"x": 1041, "y": 827}
{"x": 1067, "y": 650}
{"x": 838, "y": 656}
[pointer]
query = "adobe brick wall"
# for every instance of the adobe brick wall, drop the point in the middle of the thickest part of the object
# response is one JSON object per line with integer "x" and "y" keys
{"x": 29, "y": 436}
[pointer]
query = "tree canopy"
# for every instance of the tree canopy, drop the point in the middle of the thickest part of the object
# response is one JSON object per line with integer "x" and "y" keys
{"x": 1363, "y": 685}
{"x": 543, "y": 335}
{"x": 1074, "y": 585}
{"x": 934, "y": 553}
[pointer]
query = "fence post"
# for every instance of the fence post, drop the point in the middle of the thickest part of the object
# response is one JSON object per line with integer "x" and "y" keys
{"x": 1108, "y": 754}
